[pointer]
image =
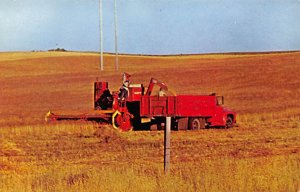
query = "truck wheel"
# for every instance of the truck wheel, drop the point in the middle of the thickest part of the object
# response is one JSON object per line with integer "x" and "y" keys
{"x": 196, "y": 123}
{"x": 229, "y": 122}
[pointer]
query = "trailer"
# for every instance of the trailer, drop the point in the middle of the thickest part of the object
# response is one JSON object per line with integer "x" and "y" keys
{"x": 140, "y": 109}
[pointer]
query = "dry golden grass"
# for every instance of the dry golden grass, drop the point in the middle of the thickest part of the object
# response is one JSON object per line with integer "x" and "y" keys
{"x": 261, "y": 154}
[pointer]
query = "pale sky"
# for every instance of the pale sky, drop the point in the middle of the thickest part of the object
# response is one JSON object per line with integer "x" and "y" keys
{"x": 151, "y": 26}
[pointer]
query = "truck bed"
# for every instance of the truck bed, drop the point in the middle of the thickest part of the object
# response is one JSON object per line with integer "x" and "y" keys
{"x": 181, "y": 105}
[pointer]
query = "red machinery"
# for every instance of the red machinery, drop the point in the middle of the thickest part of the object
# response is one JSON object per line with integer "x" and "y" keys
{"x": 141, "y": 109}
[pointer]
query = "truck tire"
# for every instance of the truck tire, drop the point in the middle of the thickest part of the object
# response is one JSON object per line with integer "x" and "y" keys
{"x": 229, "y": 122}
{"x": 196, "y": 123}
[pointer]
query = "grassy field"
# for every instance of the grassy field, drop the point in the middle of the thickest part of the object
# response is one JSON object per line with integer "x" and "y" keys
{"x": 261, "y": 154}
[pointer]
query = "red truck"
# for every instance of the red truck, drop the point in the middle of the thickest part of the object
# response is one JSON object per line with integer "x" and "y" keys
{"x": 140, "y": 109}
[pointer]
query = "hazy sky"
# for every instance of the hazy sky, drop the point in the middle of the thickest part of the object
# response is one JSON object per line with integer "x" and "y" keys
{"x": 151, "y": 26}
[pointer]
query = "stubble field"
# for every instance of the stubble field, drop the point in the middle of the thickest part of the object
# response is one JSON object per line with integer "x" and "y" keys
{"x": 261, "y": 154}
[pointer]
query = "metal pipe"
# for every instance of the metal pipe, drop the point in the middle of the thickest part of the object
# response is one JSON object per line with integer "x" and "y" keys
{"x": 101, "y": 35}
{"x": 116, "y": 35}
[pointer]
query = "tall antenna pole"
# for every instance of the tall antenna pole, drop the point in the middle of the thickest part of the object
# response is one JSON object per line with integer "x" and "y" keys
{"x": 101, "y": 34}
{"x": 116, "y": 36}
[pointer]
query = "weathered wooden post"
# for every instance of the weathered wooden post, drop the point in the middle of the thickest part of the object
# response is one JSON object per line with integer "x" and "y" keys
{"x": 167, "y": 145}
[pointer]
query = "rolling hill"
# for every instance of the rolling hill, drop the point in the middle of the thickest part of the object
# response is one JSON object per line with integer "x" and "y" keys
{"x": 261, "y": 154}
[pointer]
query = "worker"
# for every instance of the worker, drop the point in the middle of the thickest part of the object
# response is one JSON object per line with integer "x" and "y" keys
{"x": 126, "y": 77}
{"x": 124, "y": 91}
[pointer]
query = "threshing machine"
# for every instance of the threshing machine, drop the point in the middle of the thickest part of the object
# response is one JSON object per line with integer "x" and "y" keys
{"x": 140, "y": 109}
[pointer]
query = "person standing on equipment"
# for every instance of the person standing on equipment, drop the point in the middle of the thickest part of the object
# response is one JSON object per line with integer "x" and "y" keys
{"x": 124, "y": 91}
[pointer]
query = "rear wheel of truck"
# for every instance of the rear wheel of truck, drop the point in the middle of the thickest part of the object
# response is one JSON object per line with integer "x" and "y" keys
{"x": 196, "y": 123}
{"x": 229, "y": 122}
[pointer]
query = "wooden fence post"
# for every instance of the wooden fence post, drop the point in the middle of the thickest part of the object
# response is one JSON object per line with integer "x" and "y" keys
{"x": 167, "y": 144}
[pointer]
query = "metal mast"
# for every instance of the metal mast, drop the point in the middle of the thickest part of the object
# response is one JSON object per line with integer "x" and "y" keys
{"x": 116, "y": 36}
{"x": 101, "y": 34}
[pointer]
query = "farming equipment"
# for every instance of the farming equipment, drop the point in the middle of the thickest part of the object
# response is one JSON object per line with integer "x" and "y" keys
{"x": 133, "y": 107}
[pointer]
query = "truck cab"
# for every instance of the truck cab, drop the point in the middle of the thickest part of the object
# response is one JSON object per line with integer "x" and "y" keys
{"x": 223, "y": 117}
